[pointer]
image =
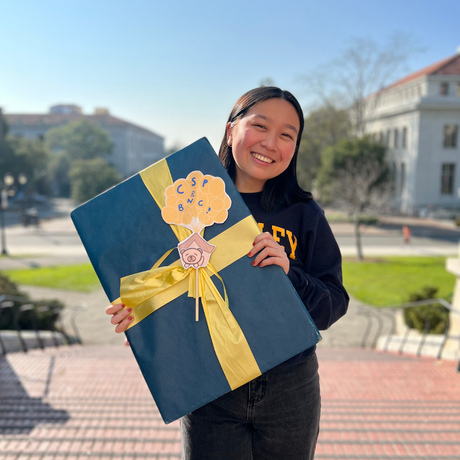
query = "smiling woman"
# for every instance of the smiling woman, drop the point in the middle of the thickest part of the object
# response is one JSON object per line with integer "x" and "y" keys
{"x": 276, "y": 415}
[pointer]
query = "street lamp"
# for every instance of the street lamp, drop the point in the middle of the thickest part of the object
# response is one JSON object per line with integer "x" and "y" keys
{"x": 8, "y": 181}
{"x": 22, "y": 179}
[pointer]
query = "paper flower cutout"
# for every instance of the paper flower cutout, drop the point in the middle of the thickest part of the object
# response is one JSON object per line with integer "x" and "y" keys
{"x": 196, "y": 202}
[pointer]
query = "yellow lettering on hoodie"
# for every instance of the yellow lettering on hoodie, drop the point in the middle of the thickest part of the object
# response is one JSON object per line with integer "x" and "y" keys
{"x": 293, "y": 244}
{"x": 277, "y": 230}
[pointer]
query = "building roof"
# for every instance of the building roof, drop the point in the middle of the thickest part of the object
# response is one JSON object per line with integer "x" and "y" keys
{"x": 58, "y": 119}
{"x": 449, "y": 66}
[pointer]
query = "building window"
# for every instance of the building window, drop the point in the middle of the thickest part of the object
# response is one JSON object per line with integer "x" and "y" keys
{"x": 395, "y": 140}
{"x": 458, "y": 89}
{"x": 444, "y": 89}
{"x": 403, "y": 177}
{"x": 450, "y": 136}
{"x": 381, "y": 137}
{"x": 447, "y": 178}
{"x": 404, "y": 138}
{"x": 387, "y": 140}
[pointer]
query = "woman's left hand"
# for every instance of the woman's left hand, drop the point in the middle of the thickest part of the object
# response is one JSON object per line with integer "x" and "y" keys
{"x": 269, "y": 252}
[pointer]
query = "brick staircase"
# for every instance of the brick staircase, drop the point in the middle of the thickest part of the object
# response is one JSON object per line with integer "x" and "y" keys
{"x": 72, "y": 403}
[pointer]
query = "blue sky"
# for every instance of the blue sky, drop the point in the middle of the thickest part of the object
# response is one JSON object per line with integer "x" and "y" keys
{"x": 177, "y": 67}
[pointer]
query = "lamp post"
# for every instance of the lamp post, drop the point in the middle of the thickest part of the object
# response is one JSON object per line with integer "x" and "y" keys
{"x": 22, "y": 179}
{"x": 8, "y": 181}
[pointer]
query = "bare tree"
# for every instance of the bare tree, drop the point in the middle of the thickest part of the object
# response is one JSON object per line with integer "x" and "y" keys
{"x": 357, "y": 190}
{"x": 356, "y": 79}
{"x": 355, "y": 176}
{"x": 354, "y": 173}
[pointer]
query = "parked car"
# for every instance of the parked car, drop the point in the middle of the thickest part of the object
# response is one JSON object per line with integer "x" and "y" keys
{"x": 30, "y": 217}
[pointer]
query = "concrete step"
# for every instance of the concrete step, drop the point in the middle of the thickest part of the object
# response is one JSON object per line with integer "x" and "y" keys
{"x": 12, "y": 341}
{"x": 85, "y": 401}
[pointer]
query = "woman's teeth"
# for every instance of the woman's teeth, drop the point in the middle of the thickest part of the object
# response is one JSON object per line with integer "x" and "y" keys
{"x": 262, "y": 158}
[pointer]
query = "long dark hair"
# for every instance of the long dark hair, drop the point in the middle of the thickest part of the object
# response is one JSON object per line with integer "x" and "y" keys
{"x": 282, "y": 189}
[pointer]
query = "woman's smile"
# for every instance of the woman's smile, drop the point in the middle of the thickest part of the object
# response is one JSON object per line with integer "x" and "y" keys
{"x": 262, "y": 158}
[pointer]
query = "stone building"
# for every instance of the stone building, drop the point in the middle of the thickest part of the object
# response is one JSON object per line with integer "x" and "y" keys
{"x": 135, "y": 147}
{"x": 418, "y": 119}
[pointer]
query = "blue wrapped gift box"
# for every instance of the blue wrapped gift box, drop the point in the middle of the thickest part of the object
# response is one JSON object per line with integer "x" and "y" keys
{"x": 123, "y": 233}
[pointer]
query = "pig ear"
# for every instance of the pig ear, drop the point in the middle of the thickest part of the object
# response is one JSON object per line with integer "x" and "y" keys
{"x": 201, "y": 250}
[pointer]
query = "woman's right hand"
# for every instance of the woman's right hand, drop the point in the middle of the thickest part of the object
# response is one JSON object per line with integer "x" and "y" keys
{"x": 120, "y": 316}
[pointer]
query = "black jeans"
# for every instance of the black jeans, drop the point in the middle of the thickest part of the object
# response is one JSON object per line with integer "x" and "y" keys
{"x": 273, "y": 417}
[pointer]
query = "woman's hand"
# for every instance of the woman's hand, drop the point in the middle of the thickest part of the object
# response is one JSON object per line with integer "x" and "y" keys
{"x": 269, "y": 252}
{"x": 120, "y": 316}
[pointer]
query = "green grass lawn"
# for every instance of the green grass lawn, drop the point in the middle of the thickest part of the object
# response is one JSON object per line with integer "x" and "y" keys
{"x": 379, "y": 282}
{"x": 71, "y": 277}
{"x": 390, "y": 280}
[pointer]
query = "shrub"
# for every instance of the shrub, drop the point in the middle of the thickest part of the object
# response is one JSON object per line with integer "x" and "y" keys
{"x": 8, "y": 287}
{"x": 45, "y": 319}
{"x": 436, "y": 314}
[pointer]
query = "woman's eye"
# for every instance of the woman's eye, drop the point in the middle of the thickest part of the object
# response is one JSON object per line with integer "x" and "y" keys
{"x": 288, "y": 135}
{"x": 260, "y": 126}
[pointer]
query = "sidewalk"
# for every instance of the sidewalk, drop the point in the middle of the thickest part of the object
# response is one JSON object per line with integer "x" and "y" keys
{"x": 95, "y": 328}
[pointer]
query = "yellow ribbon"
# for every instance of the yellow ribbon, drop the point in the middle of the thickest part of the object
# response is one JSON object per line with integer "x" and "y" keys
{"x": 150, "y": 290}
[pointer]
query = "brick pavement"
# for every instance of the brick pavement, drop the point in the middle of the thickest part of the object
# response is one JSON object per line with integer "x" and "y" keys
{"x": 78, "y": 402}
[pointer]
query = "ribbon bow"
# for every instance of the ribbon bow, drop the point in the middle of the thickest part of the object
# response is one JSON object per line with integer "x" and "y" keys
{"x": 150, "y": 290}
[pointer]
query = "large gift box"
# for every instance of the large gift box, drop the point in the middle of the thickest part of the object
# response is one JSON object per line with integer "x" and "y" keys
{"x": 250, "y": 318}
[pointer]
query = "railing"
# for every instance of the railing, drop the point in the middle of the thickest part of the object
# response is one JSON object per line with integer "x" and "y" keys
{"x": 375, "y": 316}
{"x": 20, "y": 305}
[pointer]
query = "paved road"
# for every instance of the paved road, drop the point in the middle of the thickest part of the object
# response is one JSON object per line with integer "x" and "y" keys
{"x": 57, "y": 239}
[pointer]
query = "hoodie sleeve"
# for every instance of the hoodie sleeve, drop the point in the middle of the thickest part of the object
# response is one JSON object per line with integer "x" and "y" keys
{"x": 318, "y": 279}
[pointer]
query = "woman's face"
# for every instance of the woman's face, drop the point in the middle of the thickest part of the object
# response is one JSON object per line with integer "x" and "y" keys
{"x": 263, "y": 143}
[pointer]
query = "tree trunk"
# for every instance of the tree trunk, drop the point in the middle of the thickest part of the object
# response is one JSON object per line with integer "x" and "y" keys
{"x": 356, "y": 222}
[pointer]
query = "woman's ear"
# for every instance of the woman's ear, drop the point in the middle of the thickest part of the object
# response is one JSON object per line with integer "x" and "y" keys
{"x": 229, "y": 134}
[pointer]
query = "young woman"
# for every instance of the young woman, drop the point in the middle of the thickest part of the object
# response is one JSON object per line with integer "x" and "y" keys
{"x": 275, "y": 416}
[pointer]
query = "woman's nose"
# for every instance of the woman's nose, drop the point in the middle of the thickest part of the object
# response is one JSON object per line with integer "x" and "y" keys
{"x": 269, "y": 142}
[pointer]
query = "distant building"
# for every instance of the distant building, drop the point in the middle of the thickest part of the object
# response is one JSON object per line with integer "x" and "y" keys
{"x": 135, "y": 148}
{"x": 418, "y": 119}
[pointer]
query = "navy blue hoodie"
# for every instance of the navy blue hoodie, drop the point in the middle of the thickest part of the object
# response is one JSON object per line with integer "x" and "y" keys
{"x": 314, "y": 256}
